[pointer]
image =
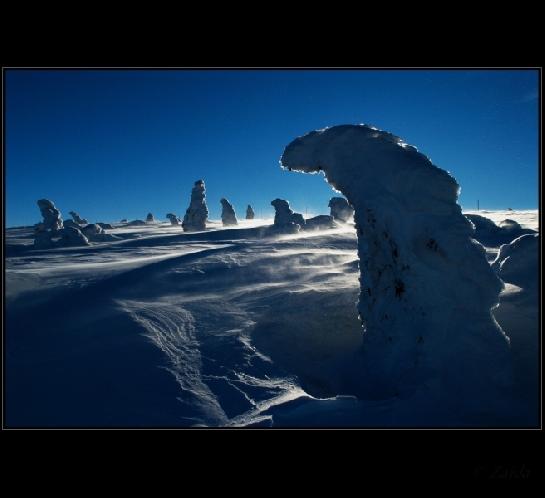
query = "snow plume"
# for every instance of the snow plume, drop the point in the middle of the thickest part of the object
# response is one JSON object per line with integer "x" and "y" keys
{"x": 228, "y": 216}
{"x": 426, "y": 289}
{"x": 196, "y": 215}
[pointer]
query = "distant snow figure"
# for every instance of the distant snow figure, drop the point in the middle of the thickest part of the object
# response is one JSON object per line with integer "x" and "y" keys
{"x": 250, "y": 215}
{"x": 52, "y": 232}
{"x": 51, "y": 215}
{"x": 228, "y": 216}
{"x": 77, "y": 219}
{"x": 285, "y": 218}
{"x": 50, "y": 226}
{"x": 150, "y": 218}
{"x": 196, "y": 215}
{"x": 340, "y": 209}
{"x": 426, "y": 289}
{"x": 174, "y": 220}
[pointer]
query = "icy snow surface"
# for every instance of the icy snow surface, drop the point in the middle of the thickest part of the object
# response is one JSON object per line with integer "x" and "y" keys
{"x": 223, "y": 327}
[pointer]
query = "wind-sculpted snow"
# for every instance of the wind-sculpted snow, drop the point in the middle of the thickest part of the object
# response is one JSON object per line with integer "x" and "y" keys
{"x": 490, "y": 234}
{"x": 196, "y": 214}
{"x": 77, "y": 219}
{"x": 426, "y": 289}
{"x": 518, "y": 261}
{"x": 285, "y": 220}
{"x": 233, "y": 326}
{"x": 174, "y": 220}
{"x": 228, "y": 216}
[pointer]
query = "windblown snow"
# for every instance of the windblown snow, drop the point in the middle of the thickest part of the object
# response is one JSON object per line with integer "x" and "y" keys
{"x": 230, "y": 327}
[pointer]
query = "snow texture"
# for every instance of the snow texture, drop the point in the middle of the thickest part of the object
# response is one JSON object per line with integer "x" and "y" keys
{"x": 518, "y": 261}
{"x": 95, "y": 233}
{"x": 490, "y": 234}
{"x": 196, "y": 215}
{"x": 319, "y": 222}
{"x": 219, "y": 328}
{"x": 77, "y": 219}
{"x": 340, "y": 209}
{"x": 426, "y": 289}
{"x": 250, "y": 215}
{"x": 228, "y": 216}
{"x": 72, "y": 236}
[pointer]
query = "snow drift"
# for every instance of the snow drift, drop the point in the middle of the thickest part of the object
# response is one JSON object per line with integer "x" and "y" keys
{"x": 518, "y": 261}
{"x": 426, "y": 289}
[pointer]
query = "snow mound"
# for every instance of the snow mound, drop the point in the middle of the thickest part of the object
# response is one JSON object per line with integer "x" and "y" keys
{"x": 518, "y": 261}
{"x": 319, "y": 222}
{"x": 196, "y": 215}
{"x": 77, "y": 219}
{"x": 340, "y": 209}
{"x": 228, "y": 216}
{"x": 284, "y": 218}
{"x": 250, "y": 215}
{"x": 492, "y": 235}
{"x": 174, "y": 220}
{"x": 426, "y": 289}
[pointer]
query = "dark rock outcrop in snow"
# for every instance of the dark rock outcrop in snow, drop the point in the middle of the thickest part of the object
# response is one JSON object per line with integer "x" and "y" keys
{"x": 492, "y": 235}
{"x": 174, "y": 220}
{"x": 340, "y": 209}
{"x": 426, "y": 289}
{"x": 77, "y": 219}
{"x": 150, "y": 218}
{"x": 196, "y": 215}
{"x": 228, "y": 216}
{"x": 250, "y": 215}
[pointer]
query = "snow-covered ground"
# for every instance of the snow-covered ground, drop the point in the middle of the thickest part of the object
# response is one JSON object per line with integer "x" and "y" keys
{"x": 227, "y": 327}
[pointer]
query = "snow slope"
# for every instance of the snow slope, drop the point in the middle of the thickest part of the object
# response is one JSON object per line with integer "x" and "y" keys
{"x": 225, "y": 327}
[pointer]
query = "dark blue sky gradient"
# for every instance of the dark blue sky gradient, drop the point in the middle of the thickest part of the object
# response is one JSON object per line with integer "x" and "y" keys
{"x": 115, "y": 144}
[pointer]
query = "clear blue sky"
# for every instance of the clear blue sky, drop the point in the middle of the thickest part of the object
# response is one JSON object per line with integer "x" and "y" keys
{"x": 115, "y": 144}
